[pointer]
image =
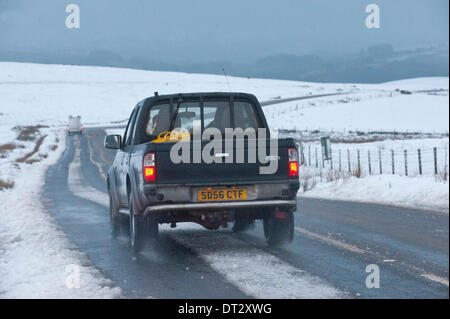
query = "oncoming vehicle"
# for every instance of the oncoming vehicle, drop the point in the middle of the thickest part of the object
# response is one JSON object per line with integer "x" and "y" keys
{"x": 75, "y": 126}
{"x": 149, "y": 186}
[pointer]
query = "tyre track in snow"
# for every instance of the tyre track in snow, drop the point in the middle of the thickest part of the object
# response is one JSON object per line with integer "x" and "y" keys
{"x": 76, "y": 181}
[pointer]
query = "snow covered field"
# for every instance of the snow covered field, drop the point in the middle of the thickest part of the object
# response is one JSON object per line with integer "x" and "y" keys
{"x": 36, "y": 101}
{"x": 102, "y": 95}
{"x": 377, "y": 108}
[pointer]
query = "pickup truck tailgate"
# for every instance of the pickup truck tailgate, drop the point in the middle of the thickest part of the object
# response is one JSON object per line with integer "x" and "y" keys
{"x": 220, "y": 173}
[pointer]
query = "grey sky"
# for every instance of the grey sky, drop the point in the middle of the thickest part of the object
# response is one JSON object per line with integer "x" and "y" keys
{"x": 208, "y": 30}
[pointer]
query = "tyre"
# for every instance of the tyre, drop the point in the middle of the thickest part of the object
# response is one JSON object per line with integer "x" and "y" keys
{"x": 137, "y": 229}
{"x": 124, "y": 222}
{"x": 114, "y": 219}
{"x": 278, "y": 228}
{"x": 242, "y": 224}
{"x": 152, "y": 230}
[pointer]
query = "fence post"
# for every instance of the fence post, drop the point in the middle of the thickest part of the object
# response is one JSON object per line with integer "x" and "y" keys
{"x": 359, "y": 161}
{"x": 420, "y": 161}
{"x": 321, "y": 169}
{"x": 309, "y": 154}
{"x": 331, "y": 159}
{"x": 445, "y": 164}
{"x": 435, "y": 161}
{"x": 340, "y": 161}
{"x": 317, "y": 159}
{"x": 380, "y": 162}
{"x": 323, "y": 160}
{"x": 301, "y": 154}
{"x": 370, "y": 163}
{"x": 393, "y": 162}
{"x": 348, "y": 156}
{"x": 406, "y": 163}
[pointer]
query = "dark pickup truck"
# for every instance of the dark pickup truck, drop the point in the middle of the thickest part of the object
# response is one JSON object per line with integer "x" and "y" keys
{"x": 207, "y": 158}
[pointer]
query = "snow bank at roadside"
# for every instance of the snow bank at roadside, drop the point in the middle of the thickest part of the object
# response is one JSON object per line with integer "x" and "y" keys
{"x": 36, "y": 258}
{"x": 420, "y": 192}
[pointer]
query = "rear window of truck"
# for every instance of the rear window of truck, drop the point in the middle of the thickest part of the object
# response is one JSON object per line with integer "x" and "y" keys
{"x": 186, "y": 115}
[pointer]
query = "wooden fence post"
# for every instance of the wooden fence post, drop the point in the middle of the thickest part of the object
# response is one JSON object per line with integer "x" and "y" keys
{"x": 370, "y": 163}
{"x": 435, "y": 161}
{"x": 348, "y": 157}
{"x": 419, "y": 155}
{"x": 323, "y": 160}
{"x": 406, "y": 163}
{"x": 331, "y": 159}
{"x": 317, "y": 159}
{"x": 309, "y": 154}
{"x": 359, "y": 161}
{"x": 445, "y": 164}
{"x": 393, "y": 162}
{"x": 380, "y": 161}
{"x": 340, "y": 161}
{"x": 301, "y": 155}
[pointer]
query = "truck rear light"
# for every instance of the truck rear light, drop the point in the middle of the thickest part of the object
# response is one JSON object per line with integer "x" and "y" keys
{"x": 279, "y": 214}
{"x": 293, "y": 162}
{"x": 149, "y": 167}
{"x": 293, "y": 169}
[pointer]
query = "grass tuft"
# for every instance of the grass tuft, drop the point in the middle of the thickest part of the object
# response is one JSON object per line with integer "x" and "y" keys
{"x": 5, "y": 185}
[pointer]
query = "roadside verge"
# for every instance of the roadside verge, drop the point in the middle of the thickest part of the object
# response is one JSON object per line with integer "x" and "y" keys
{"x": 36, "y": 258}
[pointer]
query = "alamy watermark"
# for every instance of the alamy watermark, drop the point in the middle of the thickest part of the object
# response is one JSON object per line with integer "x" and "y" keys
{"x": 229, "y": 150}
{"x": 373, "y": 279}
{"x": 373, "y": 17}
{"x": 73, "y": 18}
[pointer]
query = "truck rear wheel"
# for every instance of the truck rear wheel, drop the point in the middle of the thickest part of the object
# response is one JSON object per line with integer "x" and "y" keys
{"x": 152, "y": 230}
{"x": 137, "y": 229}
{"x": 278, "y": 228}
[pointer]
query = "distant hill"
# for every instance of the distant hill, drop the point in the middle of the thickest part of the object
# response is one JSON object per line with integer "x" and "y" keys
{"x": 374, "y": 64}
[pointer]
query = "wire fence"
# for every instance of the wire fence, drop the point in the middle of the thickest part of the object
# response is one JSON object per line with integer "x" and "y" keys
{"x": 428, "y": 161}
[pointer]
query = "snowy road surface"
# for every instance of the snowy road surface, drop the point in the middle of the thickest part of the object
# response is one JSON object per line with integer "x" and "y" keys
{"x": 334, "y": 243}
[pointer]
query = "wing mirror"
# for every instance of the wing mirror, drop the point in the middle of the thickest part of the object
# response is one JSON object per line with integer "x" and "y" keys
{"x": 113, "y": 142}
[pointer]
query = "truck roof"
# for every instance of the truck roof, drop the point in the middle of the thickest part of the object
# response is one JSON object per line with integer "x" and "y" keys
{"x": 238, "y": 95}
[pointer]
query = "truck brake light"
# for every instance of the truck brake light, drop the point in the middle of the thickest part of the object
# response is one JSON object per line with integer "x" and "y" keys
{"x": 293, "y": 162}
{"x": 149, "y": 167}
{"x": 293, "y": 169}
